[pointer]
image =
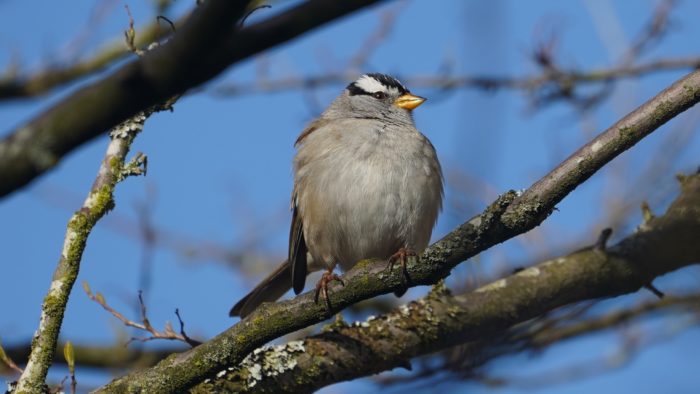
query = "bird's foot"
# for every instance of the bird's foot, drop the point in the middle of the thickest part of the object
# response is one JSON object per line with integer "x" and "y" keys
{"x": 402, "y": 256}
{"x": 322, "y": 286}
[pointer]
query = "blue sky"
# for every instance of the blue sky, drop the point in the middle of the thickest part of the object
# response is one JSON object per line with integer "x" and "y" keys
{"x": 219, "y": 168}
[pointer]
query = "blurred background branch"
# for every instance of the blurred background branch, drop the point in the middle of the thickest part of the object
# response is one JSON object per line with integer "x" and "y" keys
{"x": 16, "y": 84}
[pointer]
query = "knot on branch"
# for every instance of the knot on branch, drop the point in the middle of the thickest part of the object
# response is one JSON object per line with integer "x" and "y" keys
{"x": 601, "y": 243}
{"x": 521, "y": 212}
{"x": 495, "y": 212}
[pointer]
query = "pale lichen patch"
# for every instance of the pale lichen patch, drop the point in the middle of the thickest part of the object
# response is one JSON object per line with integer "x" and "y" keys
{"x": 596, "y": 146}
{"x": 55, "y": 286}
{"x": 403, "y": 309}
{"x": 67, "y": 242}
{"x": 530, "y": 272}
{"x": 269, "y": 361}
{"x": 499, "y": 284}
{"x": 91, "y": 199}
{"x": 476, "y": 222}
{"x": 131, "y": 126}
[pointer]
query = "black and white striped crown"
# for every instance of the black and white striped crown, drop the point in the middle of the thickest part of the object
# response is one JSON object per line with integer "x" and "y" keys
{"x": 376, "y": 82}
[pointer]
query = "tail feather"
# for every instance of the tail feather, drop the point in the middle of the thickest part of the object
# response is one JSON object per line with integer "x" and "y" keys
{"x": 270, "y": 289}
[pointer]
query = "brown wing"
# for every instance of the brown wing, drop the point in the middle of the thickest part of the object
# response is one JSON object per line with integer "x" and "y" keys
{"x": 297, "y": 250}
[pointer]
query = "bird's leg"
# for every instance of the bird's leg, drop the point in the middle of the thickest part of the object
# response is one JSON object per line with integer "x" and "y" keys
{"x": 402, "y": 256}
{"x": 322, "y": 285}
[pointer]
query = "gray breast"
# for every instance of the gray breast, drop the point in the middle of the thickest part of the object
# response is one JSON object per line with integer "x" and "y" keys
{"x": 366, "y": 189}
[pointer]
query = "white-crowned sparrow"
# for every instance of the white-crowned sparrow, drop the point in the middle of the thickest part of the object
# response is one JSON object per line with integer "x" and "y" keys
{"x": 367, "y": 184}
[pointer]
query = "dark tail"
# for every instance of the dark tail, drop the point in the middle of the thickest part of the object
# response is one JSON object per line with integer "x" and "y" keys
{"x": 270, "y": 289}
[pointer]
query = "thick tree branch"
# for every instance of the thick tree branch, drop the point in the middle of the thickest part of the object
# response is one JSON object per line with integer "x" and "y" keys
{"x": 442, "y": 320}
{"x": 207, "y": 43}
{"x": 367, "y": 280}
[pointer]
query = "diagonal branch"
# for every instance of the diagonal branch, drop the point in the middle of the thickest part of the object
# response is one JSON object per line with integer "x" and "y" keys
{"x": 504, "y": 219}
{"x": 207, "y": 43}
{"x": 99, "y": 201}
{"x": 441, "y": 320}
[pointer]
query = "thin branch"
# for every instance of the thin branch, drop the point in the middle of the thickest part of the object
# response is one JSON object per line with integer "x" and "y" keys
{"x": 505, "y": 218}
{"x": 553, "y": 335}
{"x": 369, "y": 46}
{"x": 622, "y": 356}
{"x": 450, "y": 82}
{"x": 145, "y": 325}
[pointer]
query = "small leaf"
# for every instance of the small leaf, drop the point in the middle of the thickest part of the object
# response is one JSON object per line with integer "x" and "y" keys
{"x": 69, "y": 355}
{"x": 100, "y": 298}
{"x": 86, "y": 287}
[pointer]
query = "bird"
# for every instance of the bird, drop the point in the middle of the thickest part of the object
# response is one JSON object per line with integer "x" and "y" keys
{"x": 367, "y": 184}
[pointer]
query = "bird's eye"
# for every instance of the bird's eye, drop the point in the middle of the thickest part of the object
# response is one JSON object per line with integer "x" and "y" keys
{"x": 379, "y": 95}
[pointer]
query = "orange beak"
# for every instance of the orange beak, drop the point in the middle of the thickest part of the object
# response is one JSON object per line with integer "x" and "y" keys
{"x": 409, "y": 101}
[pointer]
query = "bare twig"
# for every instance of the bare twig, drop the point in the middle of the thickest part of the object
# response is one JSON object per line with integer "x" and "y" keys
{"x": 387, "y": 22}
{"x": 631, "y": 345}
{"x": 130, "y": 33}
{"x": 145, "y": 325}
{"x": 652, "y": 33}
{"x": 446, "y": 82}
